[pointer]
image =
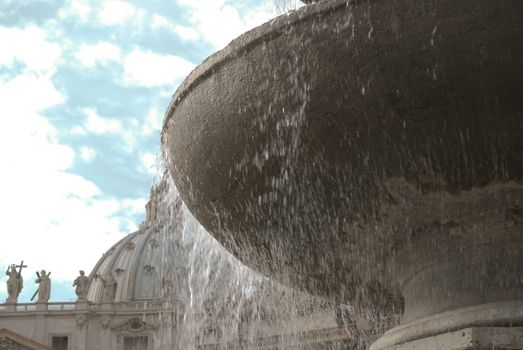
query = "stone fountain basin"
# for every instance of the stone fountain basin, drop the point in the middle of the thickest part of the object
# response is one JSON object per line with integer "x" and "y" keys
{"x": 331, "y": 146}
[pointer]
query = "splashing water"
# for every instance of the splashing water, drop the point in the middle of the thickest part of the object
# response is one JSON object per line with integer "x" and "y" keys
{"x": 216, "y": 301}
{"x": 282, "y": 6}
{"x": 212, "y": 301}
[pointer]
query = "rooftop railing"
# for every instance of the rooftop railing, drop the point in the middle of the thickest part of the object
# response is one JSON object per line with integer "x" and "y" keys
{"x": 135, "y": 305}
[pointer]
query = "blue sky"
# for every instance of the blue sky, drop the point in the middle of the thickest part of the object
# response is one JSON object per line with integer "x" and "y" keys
{"x": 83, "y": 89}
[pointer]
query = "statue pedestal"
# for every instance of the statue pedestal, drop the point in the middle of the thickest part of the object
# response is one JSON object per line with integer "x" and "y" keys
{"x": 10, "y": 304}
{"x": 41, "y": 306}
{"x": 11, "y": 300}
{"x": 106, "y": 305}
{"x": 82, "y": 304}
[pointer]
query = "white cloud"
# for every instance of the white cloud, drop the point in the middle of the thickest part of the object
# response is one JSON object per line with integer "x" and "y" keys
{"x": 219, "y": 22}
{"x": 148, "y": 164}
{"x": 146, "y": 68}
{"x": 134, "y": 206}
{"x": 130, "y": 139}
{"x": 90, "y": 55}
{"x": 80, "y": 9}
{"x": 99, "y": 125}
{"x": 128, "y": 133}
{"x": 282, "y": 6}
{"x": 118, "y": 12}
{"x": 153, "y": 122}
{"x": 78, "y": 130}
{"x": 53, "y": 219}
{"x": 87, "y": 153}
{"x": 183, "y": 32}
{"x": 29, "y": 46}
{"x": 27, "y": 93}
{"x": 186, "y": 33}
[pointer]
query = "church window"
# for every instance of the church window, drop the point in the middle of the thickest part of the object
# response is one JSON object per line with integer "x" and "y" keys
{"x": 136, "y": 343}
{"x": 60, "y": 343}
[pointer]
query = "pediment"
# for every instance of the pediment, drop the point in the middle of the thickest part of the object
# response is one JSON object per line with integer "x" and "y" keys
{"x": 10, "y": 340}
{"x": 134, "y": 325}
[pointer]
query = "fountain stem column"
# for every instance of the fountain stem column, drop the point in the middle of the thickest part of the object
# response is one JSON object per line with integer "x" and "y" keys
{"x": 462, "y": 278}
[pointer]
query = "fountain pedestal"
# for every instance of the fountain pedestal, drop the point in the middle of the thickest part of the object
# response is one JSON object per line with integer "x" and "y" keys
{"x": 471, "y": 338}
{"x": 460, "y": 270}
{"x": 481, "y": 294}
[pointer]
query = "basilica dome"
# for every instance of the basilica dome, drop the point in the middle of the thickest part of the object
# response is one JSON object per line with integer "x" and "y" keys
{"x": 134, "y": 263}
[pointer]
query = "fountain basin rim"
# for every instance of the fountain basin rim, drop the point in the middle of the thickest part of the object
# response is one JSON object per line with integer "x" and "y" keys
{"x": 266, "y": 32}
{"x": 491, "y": 314}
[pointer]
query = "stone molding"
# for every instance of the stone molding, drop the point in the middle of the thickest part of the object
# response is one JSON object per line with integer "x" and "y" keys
{"x": 18, "y": 342}
{"x": 489, "y": 315}
{"x": 473, "y": 338}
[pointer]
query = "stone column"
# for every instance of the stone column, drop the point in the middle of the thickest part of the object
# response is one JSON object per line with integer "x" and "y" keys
{"x": 40, "y": 330}
{"x": 80, "y": 336}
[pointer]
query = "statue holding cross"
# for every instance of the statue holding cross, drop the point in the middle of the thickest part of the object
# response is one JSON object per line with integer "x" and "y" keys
{"x": 15, "y": 282}
{"x": 44, "y": 290}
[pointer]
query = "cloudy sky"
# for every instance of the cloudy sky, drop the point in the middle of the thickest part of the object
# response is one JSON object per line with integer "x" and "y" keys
{"x": 83, "y": 88}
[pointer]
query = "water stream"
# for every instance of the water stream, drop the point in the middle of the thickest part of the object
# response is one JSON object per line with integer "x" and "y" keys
{"x": 221, "y": 303}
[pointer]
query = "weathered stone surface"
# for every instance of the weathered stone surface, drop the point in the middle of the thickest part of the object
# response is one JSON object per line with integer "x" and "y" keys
{"x": 318, "y": 146}
{"x": 475, "y": 338}
{"x": 432, "y": 330}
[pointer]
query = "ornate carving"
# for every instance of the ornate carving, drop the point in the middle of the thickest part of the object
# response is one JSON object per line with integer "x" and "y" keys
{"x": 106, "y": 322}
{"x": 8, "y": 344}
{"x": 167, "y": 319}
{"x": 153, "y": 244}
{"x": 135, "y": 324}
{"x": 130, "y": 245}
{"x": 81, "y": 320}
{"x": 148, "y": 269}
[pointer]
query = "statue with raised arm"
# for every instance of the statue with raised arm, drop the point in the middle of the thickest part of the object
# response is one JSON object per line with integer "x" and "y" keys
{"x": 44, "y": 290}
{"x": 15, "y": 283}
{"x": 110, "y": 286}
{"x": 82, "y": 285}
{"x": 167, "y": 287}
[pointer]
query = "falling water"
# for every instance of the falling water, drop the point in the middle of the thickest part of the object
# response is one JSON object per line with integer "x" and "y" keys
{"x": 282, "y": 6}
{"x": 322, "y": 184}
{"x": 217, "y": 302}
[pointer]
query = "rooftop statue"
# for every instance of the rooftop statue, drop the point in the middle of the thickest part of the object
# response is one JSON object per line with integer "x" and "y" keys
{"x": 15, "y": 282}
{"x": 44, "y": 290}
{"x": 82, "y": 285}
{"x": 110, "y": 286}
{"x": 167, "y": 287}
